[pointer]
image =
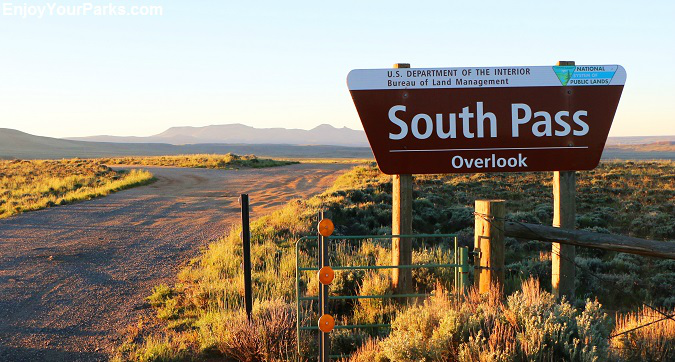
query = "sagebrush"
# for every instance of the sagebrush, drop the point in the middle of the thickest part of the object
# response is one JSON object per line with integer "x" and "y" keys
{"x": 630, "y": 198}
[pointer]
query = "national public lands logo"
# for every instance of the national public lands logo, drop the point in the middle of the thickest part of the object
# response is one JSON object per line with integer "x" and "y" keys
{"x": 564, "y": 72}
{"x": 585, "y": 74}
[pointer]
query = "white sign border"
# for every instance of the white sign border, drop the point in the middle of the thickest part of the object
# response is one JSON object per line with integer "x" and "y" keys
{"x": 480, "y": 77}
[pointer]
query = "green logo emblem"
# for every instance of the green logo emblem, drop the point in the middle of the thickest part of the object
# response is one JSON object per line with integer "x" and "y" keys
{"x": 564, "y": 73}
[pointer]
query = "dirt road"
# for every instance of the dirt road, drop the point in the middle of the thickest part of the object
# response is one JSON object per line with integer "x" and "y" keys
{"x": 72, "y": 277}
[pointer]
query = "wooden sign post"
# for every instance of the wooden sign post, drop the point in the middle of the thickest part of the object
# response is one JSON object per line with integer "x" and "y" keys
{"x": 401, "y": 224}
{"x": 563, "y": 273}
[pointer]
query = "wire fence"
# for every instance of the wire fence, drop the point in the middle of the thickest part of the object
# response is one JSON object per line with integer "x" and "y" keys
{"x": 356, "y": 253}
{"x": 664, "y": 316}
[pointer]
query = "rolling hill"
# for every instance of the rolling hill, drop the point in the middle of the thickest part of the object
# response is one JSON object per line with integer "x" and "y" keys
{"x": 238, "y": 133}
{"x": 16, "y": 144}
{"x": 639, "y": 140}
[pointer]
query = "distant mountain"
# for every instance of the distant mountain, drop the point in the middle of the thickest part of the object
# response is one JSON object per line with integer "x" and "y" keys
{"x": 322, "y": 135}
{"x": 238, "y": 133}
{"x": 661, "y": 146}
{"x": 19, "y": 145}
{"x": 639, "y": 140}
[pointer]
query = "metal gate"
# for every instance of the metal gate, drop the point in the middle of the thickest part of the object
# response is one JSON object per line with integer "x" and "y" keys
{"x": 324, "y": 245}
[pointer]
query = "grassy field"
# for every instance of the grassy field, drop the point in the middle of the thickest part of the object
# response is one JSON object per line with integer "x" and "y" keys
{"x": 34, "y": 185}
{"x": 227, "y": 161}
{"x": 201, "y": 314}
{"x": 331, "y": 160}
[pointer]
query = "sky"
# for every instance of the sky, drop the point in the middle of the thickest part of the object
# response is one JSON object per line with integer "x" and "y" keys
{"x": 285, "y": 63}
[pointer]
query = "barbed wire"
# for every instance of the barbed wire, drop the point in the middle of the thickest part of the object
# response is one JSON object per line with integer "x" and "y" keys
{"x": 665, "y": 316}
{"x": 588, "y": 270}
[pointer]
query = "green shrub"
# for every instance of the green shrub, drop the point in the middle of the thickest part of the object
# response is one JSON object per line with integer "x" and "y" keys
{"x": 375, "y": 310}
{"x": 160, "y": 294}
{"x": 414, "y": 335}
{"x": 530, "y": 326}
{"x": 427, "y": 279}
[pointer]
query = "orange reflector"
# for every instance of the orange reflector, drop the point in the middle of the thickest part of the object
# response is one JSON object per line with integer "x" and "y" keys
{"x": 326, "y": 275}
{"x": 326, "y": 227}
{"x": 326, "y": 323}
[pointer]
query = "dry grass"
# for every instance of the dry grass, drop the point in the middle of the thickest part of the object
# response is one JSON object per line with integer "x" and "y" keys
{"x": 368, "y": 352}
{"x": 528, "y": 325}
{"x": 34, "y": 185}
{"x": 228, "y": 161}
{"x": 269, "y": 336}
{"x": 655, "y": 342}
{"x": 348, "y": 161}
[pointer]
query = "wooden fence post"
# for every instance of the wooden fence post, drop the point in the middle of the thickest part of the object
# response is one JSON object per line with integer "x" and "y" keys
{"x": 489, "y": 239}
{"x": 401, "y": 224}
{"x": 563, "y": 272}
{"x": 564, "y": 216}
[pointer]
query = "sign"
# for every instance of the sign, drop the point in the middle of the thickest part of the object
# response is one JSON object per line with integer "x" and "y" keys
{"x": 494, "y": 119}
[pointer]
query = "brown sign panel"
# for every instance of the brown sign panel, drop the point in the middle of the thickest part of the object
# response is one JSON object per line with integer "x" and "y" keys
{"x": 469, "y": 120}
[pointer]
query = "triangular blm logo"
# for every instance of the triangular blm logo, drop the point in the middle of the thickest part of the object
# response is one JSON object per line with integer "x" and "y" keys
{"x": 564, "y": 72}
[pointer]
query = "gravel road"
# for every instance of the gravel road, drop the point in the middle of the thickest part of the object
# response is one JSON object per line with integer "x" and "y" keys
{"x": 72, "y": 277}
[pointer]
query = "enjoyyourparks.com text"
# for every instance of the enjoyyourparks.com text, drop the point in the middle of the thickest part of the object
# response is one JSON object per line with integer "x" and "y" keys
{"x": 49, "y": 9}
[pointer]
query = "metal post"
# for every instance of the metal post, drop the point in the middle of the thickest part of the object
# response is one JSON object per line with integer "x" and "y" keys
{"x": 324, "y": 339}
{"x": 455, "y": 260}
{"x": 464, "y": 268}
{"x": 246, "y": 243}
{"x": 298, "y": 317}
{"x": 461, "y": 261}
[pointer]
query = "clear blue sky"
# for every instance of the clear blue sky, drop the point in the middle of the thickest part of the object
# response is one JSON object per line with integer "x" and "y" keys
{"x": 284, "y": 63}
